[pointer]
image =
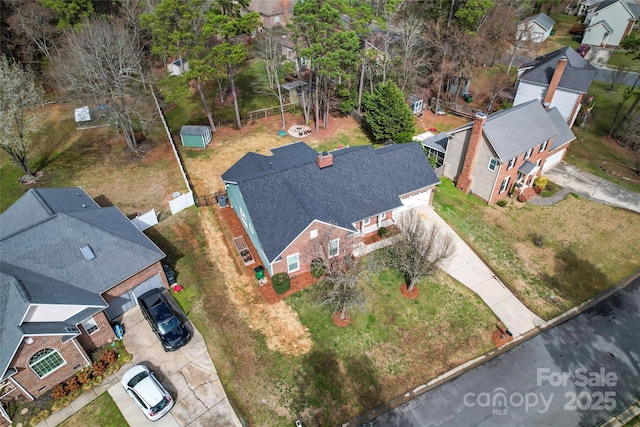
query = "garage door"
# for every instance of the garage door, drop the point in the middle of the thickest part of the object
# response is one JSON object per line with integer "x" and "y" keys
{"x": 417, "y": 199}
{"x": 553, "y": 160}
{"x": 128, "y": 300}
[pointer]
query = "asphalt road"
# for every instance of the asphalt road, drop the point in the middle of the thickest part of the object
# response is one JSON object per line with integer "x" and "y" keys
{"x": 580, "y": 372}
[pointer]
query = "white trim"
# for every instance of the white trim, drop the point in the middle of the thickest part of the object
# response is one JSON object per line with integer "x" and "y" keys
{"x": 53, "y": 370}
{"x": 495, "y": 162}
{"x": 543, "y": 146}
{"x": 353, "y": 230}
{"x": 95, "y": 324}
{"x": 512, "y": 162}
{"x": 337, "y": 248}
{"x": 81, "y": 352}
{"x": 528, "y": 153}
{"x": 313, "y": 234}
{"x": 297, "y": 255}
{"x": 505, "y": 183}
{"x": 22, "y": 388}
{"x": 366, "y": 221}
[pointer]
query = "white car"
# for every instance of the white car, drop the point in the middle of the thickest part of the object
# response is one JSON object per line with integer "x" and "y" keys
{"x": 147, "y": 392}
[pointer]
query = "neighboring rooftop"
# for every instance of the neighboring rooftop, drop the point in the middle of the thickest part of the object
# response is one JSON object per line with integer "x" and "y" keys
{"x": 577, "y": 75}
{"x": 287, "y": 191}
{"x": 542, "y": 19}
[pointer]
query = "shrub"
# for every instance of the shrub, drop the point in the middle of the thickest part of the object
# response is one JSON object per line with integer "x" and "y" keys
{"x": 72, "y": 384}
{"x": 541, "y": 182}
{"x": 97, "y": 368}
{"x": 39, "y": 417}
{"x": 502, "y": 203}
{"x": 281, "y": 283}
{"x": 58, "y": 392}
{"x": 84, "y": 376}
{"x": 317, "y": 267}
{"x": 537, "y": 240}
{"x": 382, "y": 231}
{"x": 538, "y": 190}
{"x": 108, "y": 356}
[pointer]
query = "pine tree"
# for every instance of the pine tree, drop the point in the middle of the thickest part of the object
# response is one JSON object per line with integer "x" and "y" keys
{"x": 388, "y": 115}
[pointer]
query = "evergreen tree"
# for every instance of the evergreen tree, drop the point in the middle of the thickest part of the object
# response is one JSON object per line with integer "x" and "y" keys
{"x": 388, "y": 115}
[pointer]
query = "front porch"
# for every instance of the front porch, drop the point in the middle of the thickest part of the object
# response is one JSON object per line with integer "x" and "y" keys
{"x": 372, "y": 241}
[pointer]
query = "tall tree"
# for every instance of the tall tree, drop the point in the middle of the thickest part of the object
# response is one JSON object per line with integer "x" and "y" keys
{"x": 101, "y": 64}
{"x": 422, "y": 250}
{"x": 70, "y": 12}
{"x": 36, "y": 28}
{"x": 20, "y": 92}
{"x": 388, "y": 115}
{"x": 268, "y": 47}
{"x": 227, "y": 20}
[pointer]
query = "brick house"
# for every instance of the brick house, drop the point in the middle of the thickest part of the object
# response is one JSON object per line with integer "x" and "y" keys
{"x": 506, "y": 150}
{"x": 294, "y": 198}
{"x": 68, "y": 268}
{"x": 558, "y": 79}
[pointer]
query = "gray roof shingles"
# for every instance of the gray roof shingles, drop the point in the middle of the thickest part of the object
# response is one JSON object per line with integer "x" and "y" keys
{"x": 194, "y": 130}
{"x": 577, "y": 75}
{"x": 566, "y": 135}
{"x": 287, "y": 196}
{"x": 543, "y": 20}
{"x": 42, "y": 261}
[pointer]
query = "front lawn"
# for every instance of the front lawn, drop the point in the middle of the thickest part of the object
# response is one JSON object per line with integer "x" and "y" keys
{"x": 586, "y": 246}
{"x": 101, "y": 412}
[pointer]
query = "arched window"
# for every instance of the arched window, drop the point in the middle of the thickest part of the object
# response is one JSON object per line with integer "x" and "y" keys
{"x": 46, "y": 361}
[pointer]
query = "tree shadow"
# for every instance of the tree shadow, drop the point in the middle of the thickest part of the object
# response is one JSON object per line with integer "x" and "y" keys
{"x": 172, "y": 252}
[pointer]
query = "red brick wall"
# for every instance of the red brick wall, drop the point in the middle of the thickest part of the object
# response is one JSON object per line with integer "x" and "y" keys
{"x": 134, "y": 281}
{"x": 28, "y": 379}
{"x": 102, "y": 336}
{"x": 304, "y": 246}
{"x": 464, "y": 180}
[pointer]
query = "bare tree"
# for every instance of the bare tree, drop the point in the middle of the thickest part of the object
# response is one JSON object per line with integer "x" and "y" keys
{"x": 342, "y": 285}
{"x": 268, "y": 47}
{"x": 422, "y": 250}
{"x": 101, "y": 64}
{"x": 617, "y": 75}
{"x": 36, "y": 25}
{"x": 20, "y": 92}
{"x": 409, "y": 52}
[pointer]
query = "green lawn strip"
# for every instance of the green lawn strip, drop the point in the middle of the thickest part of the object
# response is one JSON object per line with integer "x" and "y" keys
{"x": 621, "y": 58}
{"x": 396, "y": 344}
{"x": 585, "y": 250}
{"x": 101, "y": 412}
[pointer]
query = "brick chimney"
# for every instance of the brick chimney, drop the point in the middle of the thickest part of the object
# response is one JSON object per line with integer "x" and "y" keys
{"x": 324, "y": 159}
{"x": 555, "y": 80}
{"x": 464, "y": 179}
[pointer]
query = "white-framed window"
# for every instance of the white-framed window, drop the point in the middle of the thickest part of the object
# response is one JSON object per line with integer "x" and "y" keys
{"x": 543, "y": 146}
{"x": 541, "y": 93}
{"x": 276, "y": 19}
{"x": 334, "y": 247}
{"x": 90, "y": 326}
{"x": 383, "y": 215}
{"x": 46, "y": 361}
{"x": 504, "y": 185}
{"x": 367, "y": 221}
{"x": 528, "y": 153}
{"x": 512, "y": 162}
{"x": 313, "y": 234}
{"x": 493, "y": 164}
{"x": 293, "y": 263}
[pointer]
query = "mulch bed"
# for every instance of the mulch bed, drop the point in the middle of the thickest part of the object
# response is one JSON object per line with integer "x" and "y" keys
{"x": 500, "y": 338}
{"x": 298, "y": 283}
{"x": 404, "y": 290}
{"x": 392, "y": 230}
{"x": 341, "y": 323}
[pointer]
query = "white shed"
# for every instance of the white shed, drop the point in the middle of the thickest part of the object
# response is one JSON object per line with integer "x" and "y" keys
{"x": 536, "y": 28}
{"x": 178, "y": 67}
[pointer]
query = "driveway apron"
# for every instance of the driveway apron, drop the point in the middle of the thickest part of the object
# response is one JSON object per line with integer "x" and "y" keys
{"x": 466, "y": 267}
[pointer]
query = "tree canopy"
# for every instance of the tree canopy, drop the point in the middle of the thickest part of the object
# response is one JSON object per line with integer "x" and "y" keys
{"x": 388, "y": 115}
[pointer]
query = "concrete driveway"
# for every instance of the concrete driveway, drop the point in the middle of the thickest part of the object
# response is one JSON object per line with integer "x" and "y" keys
{"x": 467, "y": 268}
{"x": 188, "y": 374}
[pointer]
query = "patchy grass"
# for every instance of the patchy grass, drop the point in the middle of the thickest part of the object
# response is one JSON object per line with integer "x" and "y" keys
{"x": 621, "y": 58}
{"x": 101, "y": 412}
{"x": 551, "y": 189}
{"x": 379, "y": 355}
{"x": 581, "y": 256}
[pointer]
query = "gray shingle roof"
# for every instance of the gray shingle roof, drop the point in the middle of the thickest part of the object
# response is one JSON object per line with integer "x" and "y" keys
{"x": 635, "y": 9}
{"x": 362, "y": 182}
{"x": 437, "y": 142}
{"x": 513, "y": 131}
{"x": 577, "y": 75}
{"x": 543, "y": 20}
{"x": 42, "y": 261}
{"x": 566, "y": 135}
{"x": 194, "y": 130}
{"x": 527, "y": 167}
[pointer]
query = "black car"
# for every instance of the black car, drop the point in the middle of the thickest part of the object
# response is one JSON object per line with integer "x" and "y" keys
{"x": 163, "y": 320}
{"x": 169, "y": 274}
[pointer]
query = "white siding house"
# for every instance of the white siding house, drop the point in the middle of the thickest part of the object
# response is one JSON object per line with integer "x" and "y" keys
{"x": 535, "y": 28}
{"x": 610, "y": 22}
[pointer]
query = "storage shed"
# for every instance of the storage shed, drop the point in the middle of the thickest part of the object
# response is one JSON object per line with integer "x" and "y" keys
{"x": 195, "y": 136}
{"x": 178, "y": 67}
{"x": 415, "y": 104}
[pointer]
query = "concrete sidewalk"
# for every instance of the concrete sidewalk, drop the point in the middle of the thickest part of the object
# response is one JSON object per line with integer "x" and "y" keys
{"x": 468, "y": 269}
{"x": 587, "y": 185}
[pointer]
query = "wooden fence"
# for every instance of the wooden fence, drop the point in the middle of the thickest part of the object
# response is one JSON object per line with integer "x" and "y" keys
{"x": 455, "y": 108}
{"x": 270, "y": 111}
{"x": 212, "y": 199}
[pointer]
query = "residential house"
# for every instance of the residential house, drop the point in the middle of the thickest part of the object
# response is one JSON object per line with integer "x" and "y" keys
{"x": 610, "y": 21}
{"x": 292, "y": 197}
{"x": 273, "y": 12}
{"x": 68, "y": 268}
{"x": 558, "y": 79}
{"x": 506, "y": 150}
{"x": 536, "y": 28}
{"x": 581, "y": 7}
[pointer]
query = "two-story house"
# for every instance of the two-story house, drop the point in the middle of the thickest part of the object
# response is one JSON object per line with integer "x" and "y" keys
{"x": 68, "y": 268}
{"x": 289, "y": 199}
{"x": 506, "y": 150}
{"x": 610, "y": 21}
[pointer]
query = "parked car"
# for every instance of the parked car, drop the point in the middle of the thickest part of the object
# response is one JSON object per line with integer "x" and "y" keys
{"x": 152, "y": 398}
{"x": 164, "y": 321}
{"x": 170, "y": 274}
{"x": 583, "y": 49}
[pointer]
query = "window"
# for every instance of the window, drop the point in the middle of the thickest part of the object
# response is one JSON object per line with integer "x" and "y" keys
{"x": 541, "y": 93}
{"x": 334, "y": 247}
{"x": 276, "y": 19}
{"x": 46, "y": 361}
{"x": 543, "y": 146}
{"x": 512, "y": 162}
{"x": 383, "y": 215}
{"x": 493, "y": 164}
{"x": 367, "y": 221}
{"x": 314, "y": 234}
{"x": 293, "y": 263}
{"x": 528, "y": 153}
{"x": 504, "y": 185}
{"x": 90, "y": 326}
